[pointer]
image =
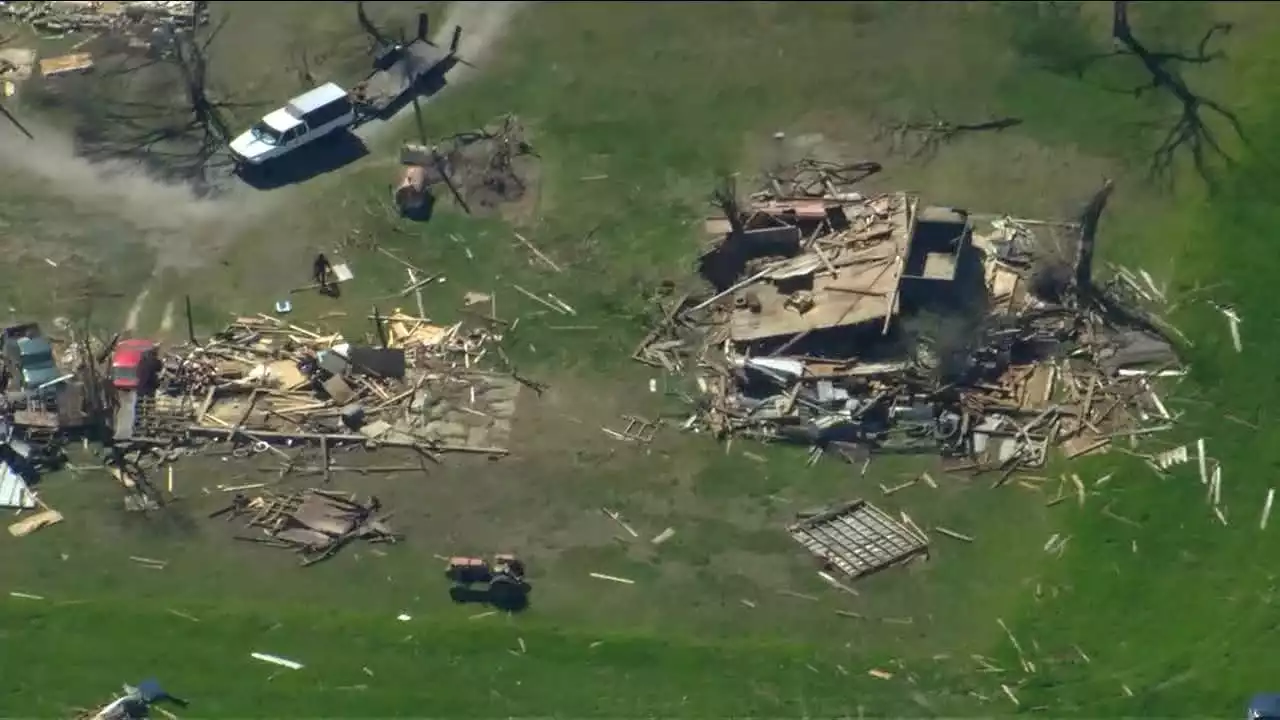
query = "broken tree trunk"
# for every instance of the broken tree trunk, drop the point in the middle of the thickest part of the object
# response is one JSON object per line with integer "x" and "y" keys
{"x": 725, "y": 198}
{"x": 1088, "y": 240}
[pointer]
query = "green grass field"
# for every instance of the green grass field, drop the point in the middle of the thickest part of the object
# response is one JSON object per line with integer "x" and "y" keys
{"x": 1167, "y": 615}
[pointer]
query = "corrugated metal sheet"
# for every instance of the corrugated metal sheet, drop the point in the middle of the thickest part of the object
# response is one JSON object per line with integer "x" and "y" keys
{"x": 13, "y": 489}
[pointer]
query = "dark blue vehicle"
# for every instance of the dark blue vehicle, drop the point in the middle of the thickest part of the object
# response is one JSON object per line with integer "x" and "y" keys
{"x": 1264, "y": 706}
{"x": 35, "y": 360}
{"x": 29, "y": 358}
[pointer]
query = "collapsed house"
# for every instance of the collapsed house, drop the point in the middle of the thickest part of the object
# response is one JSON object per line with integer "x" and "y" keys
{"x": 263, "y": 381}
{"x": 856, "y": 323}
{"x": 260, "y": 387}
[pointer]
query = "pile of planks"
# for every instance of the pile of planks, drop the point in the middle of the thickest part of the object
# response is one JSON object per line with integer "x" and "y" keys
{"x": 66, "y": 17}
{"x": 314, "y": 523}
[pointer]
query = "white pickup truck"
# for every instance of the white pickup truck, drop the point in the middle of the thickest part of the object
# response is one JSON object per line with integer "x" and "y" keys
{"x": 398, "y": 70}
{"x": 305, "y": 119}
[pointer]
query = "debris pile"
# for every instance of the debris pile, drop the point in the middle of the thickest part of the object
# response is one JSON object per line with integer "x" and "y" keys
{"x": 857, "y": 323}
{"x": 314, "y": 523}
{"x": 262, "y": 386}
{"x": 67, "y": 17}
{"x": 263, "y": 381}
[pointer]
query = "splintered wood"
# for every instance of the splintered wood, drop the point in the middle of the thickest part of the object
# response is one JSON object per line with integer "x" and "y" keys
{"x": 263, "y": 381}
{"x": 315, "y": 523}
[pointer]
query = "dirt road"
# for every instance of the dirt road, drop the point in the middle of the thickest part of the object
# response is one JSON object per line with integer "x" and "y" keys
{"x": 157, "y": 213}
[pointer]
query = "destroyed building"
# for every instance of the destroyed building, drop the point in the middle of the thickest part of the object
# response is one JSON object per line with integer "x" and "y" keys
{"x": 856, "y": 322}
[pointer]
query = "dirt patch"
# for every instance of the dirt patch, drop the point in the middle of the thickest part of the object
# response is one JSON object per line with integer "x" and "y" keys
{"x": 998, "y": 171}
{"x": 171, "y": 218}
{"x": 490, "y": 169}
{"x": 483, "y": 26}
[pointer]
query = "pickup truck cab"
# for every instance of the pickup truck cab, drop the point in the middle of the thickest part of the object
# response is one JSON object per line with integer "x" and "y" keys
{"x": 133, "y": 364}
{"x": 305, "y": 119}
{"x": 28, "y": 356}
{"x": 35, "y": 360}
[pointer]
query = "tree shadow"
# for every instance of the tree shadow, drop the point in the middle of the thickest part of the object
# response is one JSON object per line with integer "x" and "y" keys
{"x": 508, "y": 597}
{"x": 1191, "y": 133}
{"x": 155, "y": 108}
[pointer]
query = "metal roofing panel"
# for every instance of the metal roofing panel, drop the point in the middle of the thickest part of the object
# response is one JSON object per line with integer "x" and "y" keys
{"x": 13, "y": 489}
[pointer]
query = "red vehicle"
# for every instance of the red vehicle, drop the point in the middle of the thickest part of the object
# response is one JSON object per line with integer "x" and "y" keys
{"x": 133, "y": 362}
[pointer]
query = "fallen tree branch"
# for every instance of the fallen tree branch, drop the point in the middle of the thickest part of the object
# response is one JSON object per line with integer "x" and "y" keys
{"x": 929, "y": 137}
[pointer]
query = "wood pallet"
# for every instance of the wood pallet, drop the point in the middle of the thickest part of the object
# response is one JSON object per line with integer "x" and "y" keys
{"x": 859, "y": 539}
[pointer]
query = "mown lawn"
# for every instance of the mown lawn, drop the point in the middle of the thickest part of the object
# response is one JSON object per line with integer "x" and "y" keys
{"x": 1173, "y": 614}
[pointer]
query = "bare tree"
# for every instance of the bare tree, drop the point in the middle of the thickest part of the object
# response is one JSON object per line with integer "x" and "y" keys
{"x": 183, "y": 132}
{"x": 302, "y": 65}
{"x": 191, "y": 58}
{"x": 377, "y": 39}
{"x": 724, "y": 197}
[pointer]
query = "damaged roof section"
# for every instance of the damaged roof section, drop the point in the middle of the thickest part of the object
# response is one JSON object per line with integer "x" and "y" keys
{"x": 862, "y": 264}
{"x": 796, "y": 266}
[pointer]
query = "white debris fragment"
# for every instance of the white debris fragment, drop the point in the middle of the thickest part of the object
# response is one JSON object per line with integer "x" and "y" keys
{"x": 1169, "y": 458}
{"x": 663, "y": 536}
{"x": 276, "y": 660}
{"x": 1204, "y": 471}
{"x": 613, "y": 578}
{"x": 1233, "y": 324}
{"x": 1215, "y": 486}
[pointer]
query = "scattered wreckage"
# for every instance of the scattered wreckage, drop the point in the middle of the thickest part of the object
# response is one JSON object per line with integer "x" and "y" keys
{"x": 63, "y": 16}
{"x": 878, "y": 323}
{"x": 134, "y": 703}
{"x": 859, "y": 324}
{"x": 262, "y": 379}
{"x": 482, "y": 168}
{"x": 147, "y": 25}
{"x": 314, "y": 523}
{"x": 260, "y": 387}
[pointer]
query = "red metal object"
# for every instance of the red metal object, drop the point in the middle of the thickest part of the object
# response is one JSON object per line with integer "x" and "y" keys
{"x": 127, "y": 362}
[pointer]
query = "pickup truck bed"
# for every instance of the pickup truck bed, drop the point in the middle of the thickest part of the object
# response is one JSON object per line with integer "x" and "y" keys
{"x": 415, "y": 61}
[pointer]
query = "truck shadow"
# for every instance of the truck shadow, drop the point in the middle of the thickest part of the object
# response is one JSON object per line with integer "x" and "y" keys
{"x": 512, "y": 599}
{"x": 312, "y": 160}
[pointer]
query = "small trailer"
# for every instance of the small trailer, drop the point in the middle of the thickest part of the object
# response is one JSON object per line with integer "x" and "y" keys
{"x": 400, "y": 68}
